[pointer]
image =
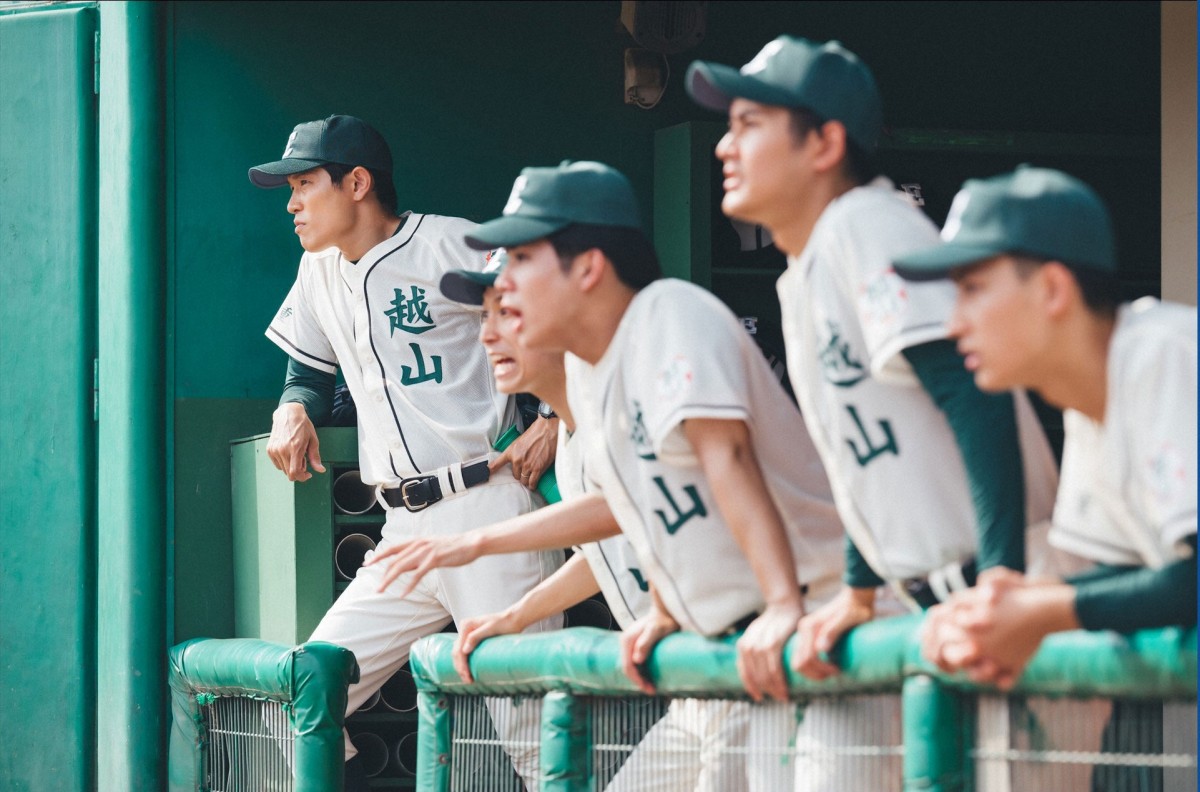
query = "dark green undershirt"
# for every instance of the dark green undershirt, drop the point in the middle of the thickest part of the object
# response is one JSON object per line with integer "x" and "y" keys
{"x": 311, "y": 388}
{"x": 1126, "y": 598}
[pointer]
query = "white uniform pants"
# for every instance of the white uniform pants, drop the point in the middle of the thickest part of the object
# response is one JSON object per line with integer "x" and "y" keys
{"x": 380, "y": 628}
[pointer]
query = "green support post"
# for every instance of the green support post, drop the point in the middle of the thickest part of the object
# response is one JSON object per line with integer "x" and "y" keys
{"x": 938, "y": 737}
{"x": 131, "y": 504}
{"x": 566, "y": 756}
{"x": 433, "y": 743}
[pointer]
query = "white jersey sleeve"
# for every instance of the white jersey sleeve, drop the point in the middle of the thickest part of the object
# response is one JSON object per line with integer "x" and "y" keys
{"x": 894, "y": 314}
{"x": 702, "y": 376}
{"x": 1128, "y": 490}
{"x": 1153, "y": 398}
{"x": 296, "y": 329}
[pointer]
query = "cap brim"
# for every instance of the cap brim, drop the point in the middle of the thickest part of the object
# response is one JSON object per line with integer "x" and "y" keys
{"x": 715, "y": 86}
{"x": 938, "y": 262}
{"x": 274, "y": 174}
{"x": 512, "y": 230}
{"x": 467, "y": 287}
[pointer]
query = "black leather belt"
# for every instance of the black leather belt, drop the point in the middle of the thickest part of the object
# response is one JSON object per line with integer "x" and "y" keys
{"x": 922, "y": 591}
{"x": 421, "y": 492}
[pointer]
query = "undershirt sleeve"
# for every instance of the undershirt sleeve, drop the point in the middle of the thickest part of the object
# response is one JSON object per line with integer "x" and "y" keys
{"x": 985, "y": 429}
{"x": 1138, "y": 598}
{"x": 858, "y": 572}
{"x": 311, "y": 388}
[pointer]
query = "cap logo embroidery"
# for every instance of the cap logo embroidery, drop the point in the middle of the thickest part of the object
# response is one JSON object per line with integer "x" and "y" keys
{"x": 954, "y": 218}
{"x": 760, "y": 60}
{"x": 514, "y": 199}
{"x": 287, "y": 150}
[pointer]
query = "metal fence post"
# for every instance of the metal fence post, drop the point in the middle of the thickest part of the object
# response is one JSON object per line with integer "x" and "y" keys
{"x": 566, "y": 750}
{"x": 938, "y": 737}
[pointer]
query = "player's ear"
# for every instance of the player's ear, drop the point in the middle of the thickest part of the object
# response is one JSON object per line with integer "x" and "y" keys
{"x": 1059, "y": 289}
{"x": 589, "y": 268}
{"x": 830, "y": 146}
{"x": 360, "y": 182}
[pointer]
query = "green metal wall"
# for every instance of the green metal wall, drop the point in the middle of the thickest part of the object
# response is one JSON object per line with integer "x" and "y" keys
{"x": 47, "y": 446}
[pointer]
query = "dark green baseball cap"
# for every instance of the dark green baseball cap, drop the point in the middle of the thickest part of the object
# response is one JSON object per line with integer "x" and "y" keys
{"x": 828, "y": 79}
{"x": 1035, "y": 212}
{"x": 468, "y": 286}
{"x": 343, "y": 139}
{"x": 545, "y": 200}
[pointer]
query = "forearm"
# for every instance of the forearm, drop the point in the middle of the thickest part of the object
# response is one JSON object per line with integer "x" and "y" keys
{"x": 566, "y": 524}
{"x": 742, "y": 497}
{"x": 310, "y": 388}
{"x": 570, "y": 585}
{"x": 985, "y": 429}
{"x": 1138, "y": 599}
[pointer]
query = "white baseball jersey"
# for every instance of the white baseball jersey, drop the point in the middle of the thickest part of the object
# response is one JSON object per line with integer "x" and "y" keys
{"x": 891, "y": 456}
{"x": 612, "y": 560}
{"x": 680, "y": 354}
{"x": 1128, "y": 489}
{"x": 411, "y": 358}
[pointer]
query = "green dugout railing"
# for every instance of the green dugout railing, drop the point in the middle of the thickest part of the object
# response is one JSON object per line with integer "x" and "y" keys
{"x": 571, "y": 669}
{"x": 287, "y": 706}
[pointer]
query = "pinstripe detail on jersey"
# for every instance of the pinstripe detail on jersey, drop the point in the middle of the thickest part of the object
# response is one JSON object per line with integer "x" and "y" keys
{"x": 379, "y": 360}
{"x": 271, "y": 329}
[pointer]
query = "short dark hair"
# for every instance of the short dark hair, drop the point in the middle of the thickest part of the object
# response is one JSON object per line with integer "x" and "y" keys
{"x": 630, "y": 251}
{"x": 1101, "y": 290}
{"x": 859, "y": 165}
{"x": 385, "y": 188}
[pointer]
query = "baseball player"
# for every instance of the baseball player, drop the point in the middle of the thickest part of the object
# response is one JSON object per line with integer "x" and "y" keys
{"x": 692, "y": 442}
{"x": 366, "y": 299}
{"x": 1033, "y": 259}
{"x": 607, "y": 566}
{"x": 935, "y": 481}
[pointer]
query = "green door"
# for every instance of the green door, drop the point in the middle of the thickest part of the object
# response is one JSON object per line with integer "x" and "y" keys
{"x": 47, "y": 446}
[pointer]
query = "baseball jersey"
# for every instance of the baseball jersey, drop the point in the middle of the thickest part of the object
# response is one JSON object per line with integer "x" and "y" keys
{"x": 612, "y": 560}
{"x": 1128, "y": 489}
{"x": 634, "y": 402}
{"x": 411, "y": 358}
{"x": 892, "y": 459}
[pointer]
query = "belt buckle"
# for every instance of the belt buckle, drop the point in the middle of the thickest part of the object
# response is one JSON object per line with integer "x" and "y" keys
{"x": 412, "y": 482}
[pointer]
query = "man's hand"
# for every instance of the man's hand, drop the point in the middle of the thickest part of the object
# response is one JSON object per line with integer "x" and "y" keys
{"x": 293, "y": 444}
{"x": 639, "y": 640}
{"x": 820, "y": 630}
{"x": 760, "y": 652}
{"x": 420, "y": 556}
{"x": 473, "y": 631}
{"x": 992, "y": 630}
{"x": 531, "y": 453}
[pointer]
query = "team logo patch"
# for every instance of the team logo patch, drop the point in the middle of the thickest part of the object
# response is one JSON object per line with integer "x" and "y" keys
{"x": 882, "y": 300}
{"x": 285, "y": 312}
{"x": 638, "y": 435}
{"x": 287, "y": 150}
{"x": 675, "y": 379}
{"x": 410, "y": 312}
{"x": 839, "y": 364}
{"x": 1169, "y": 475}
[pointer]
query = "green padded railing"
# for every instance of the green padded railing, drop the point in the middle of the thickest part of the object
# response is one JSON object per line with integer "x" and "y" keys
{"x": 309, "y": 681}
{"x": 882, "y": 656}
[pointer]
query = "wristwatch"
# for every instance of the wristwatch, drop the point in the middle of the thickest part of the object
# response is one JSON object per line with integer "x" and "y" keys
{"x": 545, "y": 411}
